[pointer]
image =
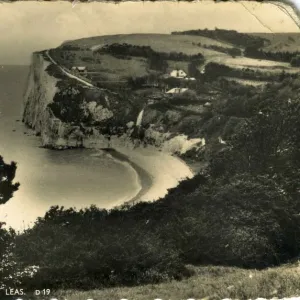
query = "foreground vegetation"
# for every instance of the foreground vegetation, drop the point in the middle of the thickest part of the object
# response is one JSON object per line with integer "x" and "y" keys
{"x": 209, "y": 283}
{"x": 242, "y": 211}
{"x": 239, "y": 214}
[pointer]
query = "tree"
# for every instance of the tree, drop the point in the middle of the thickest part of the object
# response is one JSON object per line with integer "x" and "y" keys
{"x": 157, "y": 62}
{"x": 295, "y": 61}
{"x": 7, "y": 188}
{"x": 193, "y": 69}
{"x": 7, "y": 175}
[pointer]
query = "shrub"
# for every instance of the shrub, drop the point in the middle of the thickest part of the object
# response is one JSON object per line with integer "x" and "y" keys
{"x": 101, "y": 255}
{"x": 295, "y": 61}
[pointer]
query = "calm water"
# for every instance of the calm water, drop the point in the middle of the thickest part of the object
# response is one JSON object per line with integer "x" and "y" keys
{"x": 74, "y": 178}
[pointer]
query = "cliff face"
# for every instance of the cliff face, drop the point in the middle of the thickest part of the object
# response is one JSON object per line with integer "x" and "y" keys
{"x": 67, "y": 114}
{"x": 41, "y": 89}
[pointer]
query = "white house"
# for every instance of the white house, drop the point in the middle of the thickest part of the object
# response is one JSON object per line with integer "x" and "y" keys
{"x": 177, "y": 91}
{"x": 178, "y": 74}
{"x": 221, "y": 141}
{"x": 81, "y": 69}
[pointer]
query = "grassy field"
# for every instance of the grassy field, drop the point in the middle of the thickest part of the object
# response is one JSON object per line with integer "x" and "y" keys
{"x": 282, "y": 41}
{"x": 251, "y": 62}
{"x": 118, "y": 69}
{"x": 247, "y": 82}
{"x": 159, "y": 42}
{"x": 209, "y": 282}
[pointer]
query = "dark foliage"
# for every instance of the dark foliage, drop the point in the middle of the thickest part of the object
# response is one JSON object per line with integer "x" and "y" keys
{"x": 67, "y": 104}
{"x": 156, "y": 60}
{"x": 231, "y": 51}
{"x": 193, "y": 70}
{"x": 188, "y": 97}
{"x": 70, "y": 47}
{"x": 7, "y": 175}
{"x": 254, "y": 52}
{"x": 88, "y": 59}
{"x": 7, "y": 189}
{"x": 215, "y": 70}
{"x": 106, "y": 255}
{"x": 295, "y": 61}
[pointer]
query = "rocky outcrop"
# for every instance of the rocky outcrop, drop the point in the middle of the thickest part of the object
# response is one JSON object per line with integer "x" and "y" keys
{"x": 49, "y": 101}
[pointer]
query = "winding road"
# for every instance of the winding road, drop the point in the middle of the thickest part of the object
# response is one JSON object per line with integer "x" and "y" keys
{"x": 66, "y": 72}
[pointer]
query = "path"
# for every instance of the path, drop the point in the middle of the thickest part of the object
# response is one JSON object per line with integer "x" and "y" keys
{"x": 68, "y": 73}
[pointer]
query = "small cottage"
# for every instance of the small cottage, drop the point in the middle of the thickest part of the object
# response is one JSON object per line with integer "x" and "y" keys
{"x": 207, "y": 104}
{"x": 81, "y": 69}
{"x": 177, "y": 91}
{"x": 178, "y": 74}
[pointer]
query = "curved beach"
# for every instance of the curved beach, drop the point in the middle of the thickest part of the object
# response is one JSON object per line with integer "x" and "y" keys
{"x": 143, "y": 178}
{"x": 157, "y": 171}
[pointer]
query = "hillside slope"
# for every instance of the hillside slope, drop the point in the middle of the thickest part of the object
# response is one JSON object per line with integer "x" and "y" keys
{"x": 129, "y": 74}
{"x": 240, "y": 210}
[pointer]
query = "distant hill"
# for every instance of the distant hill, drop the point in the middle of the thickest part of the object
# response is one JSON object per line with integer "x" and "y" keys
{"x": 259, "y": 52}
{"x": 229, "y": 36}
{"x": 281, "y": 41}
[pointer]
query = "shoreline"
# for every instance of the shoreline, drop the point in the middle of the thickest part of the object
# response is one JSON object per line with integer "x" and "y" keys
{"x": 157, "y": 171}
{"x": 144, "y": 178}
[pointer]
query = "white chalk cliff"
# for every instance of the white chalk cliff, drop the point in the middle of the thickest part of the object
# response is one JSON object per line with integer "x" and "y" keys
{"x": 42, "y": 88}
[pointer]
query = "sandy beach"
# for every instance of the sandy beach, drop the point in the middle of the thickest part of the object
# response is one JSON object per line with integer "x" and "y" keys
{"x": 157, "y": 171}
{"x": 144, "y": 179}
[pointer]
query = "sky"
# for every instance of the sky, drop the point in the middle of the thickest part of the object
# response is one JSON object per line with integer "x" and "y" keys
{"x": 31, "y": 26}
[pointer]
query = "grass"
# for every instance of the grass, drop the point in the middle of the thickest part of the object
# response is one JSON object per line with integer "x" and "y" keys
{"x": 209, "y": 282}
{"x": 115, "y": 68}
{"x": 108, "y": 67}
{"x": 282, "y": 41}
{"x": 248, "y": 62}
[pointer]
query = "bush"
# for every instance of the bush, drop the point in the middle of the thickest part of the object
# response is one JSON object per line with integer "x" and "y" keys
{"x": 101, "y": 255}
{"x": 188, "y": 97}
{"x": 7, "y": 175}
{"x": 295, "y": 61}
{"x": 67, "y": 104}
{"x": 8, "y": 266}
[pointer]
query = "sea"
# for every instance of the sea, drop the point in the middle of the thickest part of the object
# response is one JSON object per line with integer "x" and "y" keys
{"x": 71, "y": 178}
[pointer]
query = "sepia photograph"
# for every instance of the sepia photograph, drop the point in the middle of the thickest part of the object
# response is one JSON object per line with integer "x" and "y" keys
{"x": 149, "y": 150}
